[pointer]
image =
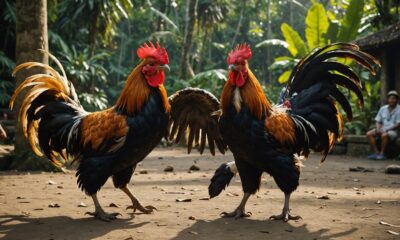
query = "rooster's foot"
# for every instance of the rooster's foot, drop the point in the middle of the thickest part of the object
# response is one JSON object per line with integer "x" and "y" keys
{"x": 238, "y": 213}
{"x": 101, "y": 215}
{"x": 284, "y": 216}
{"x": 137, "y": 206}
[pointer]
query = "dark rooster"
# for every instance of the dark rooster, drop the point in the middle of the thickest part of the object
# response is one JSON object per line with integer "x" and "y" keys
{"x": 267, "y": 138}
{"x": 104, "y": 144}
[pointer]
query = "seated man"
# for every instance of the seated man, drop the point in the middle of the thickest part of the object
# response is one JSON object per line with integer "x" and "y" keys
{"x": 387, "y": 124}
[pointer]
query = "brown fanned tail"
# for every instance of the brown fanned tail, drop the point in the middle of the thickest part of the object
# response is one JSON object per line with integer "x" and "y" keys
{"x": 196, "y": 111}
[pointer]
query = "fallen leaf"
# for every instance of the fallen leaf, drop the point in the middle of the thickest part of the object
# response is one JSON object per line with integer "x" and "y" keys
{"x": 169, "y": 169}
{"x": 232, "y": 194}
{"x": 388, "y": 224}
{"x": 27, "y": 214}
{"x": 82, "y": 204}
{"x": 393, "y": 232}
{"x": 265, "y": 232}
{"x": 184, "y": 200}
{"x": 129, "y": 238}
{"x": 194, "y": 233}
{"x": 192, "y": 218}
{"x": 368, "y": 216}
{"x": 365, "y": 209}
{"x": 143, "y": 172}
{"x": 60, "y": 187}
{"x": 54, "y": 205}
{"x": 113, "y": 205}
{"x": 50, "y": 182}
{"x": 360, "y": 169}
{"x": 324, "y": 197}
{"x": 38, "y": 209}
{"x": 356, "y": 180}
{"x": 194, "y": 168}
{"x": 172, "y": 192}
{"x": 205, "y": 198}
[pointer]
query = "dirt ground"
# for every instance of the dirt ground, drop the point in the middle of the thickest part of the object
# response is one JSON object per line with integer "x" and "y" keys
{"x": 357, "y": 202}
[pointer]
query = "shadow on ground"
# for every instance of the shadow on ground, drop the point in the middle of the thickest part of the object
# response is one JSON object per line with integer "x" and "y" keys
{"x": 223, "y": 228}
{"x": 19, "y": 227}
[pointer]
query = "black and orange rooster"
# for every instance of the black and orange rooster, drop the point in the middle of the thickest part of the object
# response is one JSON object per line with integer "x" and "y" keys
{"x": 268, "y": 138}
{"x": 108, "y": 143}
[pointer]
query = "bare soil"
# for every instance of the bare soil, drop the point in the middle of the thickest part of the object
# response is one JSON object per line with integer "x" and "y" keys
{"x": 357, "y": 202}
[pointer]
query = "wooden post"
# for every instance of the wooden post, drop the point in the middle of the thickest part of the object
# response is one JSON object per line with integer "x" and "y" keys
{"x": 384, "y": 76}
{"x": 397, "y": 73}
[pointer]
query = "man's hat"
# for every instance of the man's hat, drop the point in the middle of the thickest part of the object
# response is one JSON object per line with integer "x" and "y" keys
{"x": 393, "y": 93}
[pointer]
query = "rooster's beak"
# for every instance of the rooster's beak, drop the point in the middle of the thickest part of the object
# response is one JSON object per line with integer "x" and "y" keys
{"x": 165, "y": 67}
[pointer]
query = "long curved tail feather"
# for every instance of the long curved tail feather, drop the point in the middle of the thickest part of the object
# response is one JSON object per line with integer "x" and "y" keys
{"x": 313, "y": 93}
{"x": 50, "y": 112}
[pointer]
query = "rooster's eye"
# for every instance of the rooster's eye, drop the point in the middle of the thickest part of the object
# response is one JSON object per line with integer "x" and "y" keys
{"x": 151, "y": 64}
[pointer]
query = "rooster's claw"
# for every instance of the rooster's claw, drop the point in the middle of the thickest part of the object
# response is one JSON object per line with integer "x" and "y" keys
{"x": 238, "y": 213}
{"x": 101, "y": 215}
{"x": 147, "y": 209}
{"x": 285, "y": 216}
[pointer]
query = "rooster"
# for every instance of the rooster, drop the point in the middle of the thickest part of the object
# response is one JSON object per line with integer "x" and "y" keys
{"x": 269, "y": 138}
{"x": 108, "y": 143}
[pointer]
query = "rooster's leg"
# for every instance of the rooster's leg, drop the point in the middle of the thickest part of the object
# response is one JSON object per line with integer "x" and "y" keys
{"x": 240, "y": 210}
{"x": 136, "y": 204}
{"x": 99, "y": 212}
{"x": 285, "y": 215}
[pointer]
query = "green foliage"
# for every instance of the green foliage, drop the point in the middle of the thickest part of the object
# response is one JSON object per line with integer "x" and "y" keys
{"x": 382, "y": 13}
{"x": 97, "y": 39}
{"x": 6, "y": 88}
{"x": 211, "y": 80}
{"x": 273, "y": 42}
{"x": 296, "y": 45}
{"x": 100, "y": 17}
{"x": 88, "y": 75}
{"x": 316, "y": 26}
{"x": 350, "y": 23}
{"x": 321, "y": 30}
{"x": 363, "y": 119}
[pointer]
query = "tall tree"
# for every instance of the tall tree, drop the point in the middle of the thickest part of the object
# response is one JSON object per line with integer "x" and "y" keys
{"x": 31, "y": 35}
{"x": 190, "y": 19}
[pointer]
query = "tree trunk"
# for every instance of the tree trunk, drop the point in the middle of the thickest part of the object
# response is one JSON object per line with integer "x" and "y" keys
{"x": 239, "y": 25}
{"x": 384, "y": 77}
{"x": 186, "y": 69}
{"x": 267, "y": 73}
{"x": 31, "y": 35}
{"x": 203, "y": 50}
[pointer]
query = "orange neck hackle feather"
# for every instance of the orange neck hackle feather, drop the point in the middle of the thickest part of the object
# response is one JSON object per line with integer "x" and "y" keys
{"x": 252, "y": 94}
{"x": 136, "y": 92}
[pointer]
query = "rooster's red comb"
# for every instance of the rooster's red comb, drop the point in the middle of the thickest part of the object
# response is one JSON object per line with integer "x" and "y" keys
{"x": 151, "y": 51}
{"x": 239, "y": 54}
